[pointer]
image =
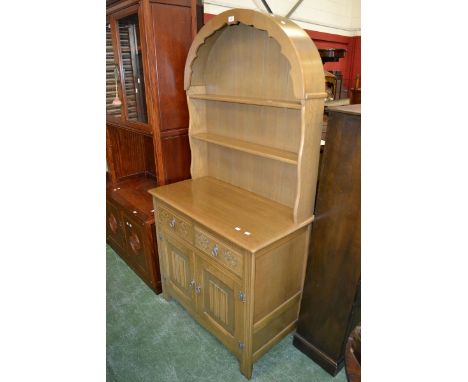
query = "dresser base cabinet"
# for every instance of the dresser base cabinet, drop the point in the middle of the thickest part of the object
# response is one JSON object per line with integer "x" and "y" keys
{"x": 243, "y": 289}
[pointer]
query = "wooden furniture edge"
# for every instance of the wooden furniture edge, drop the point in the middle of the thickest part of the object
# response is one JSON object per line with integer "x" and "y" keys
{"x": 317, "y": 355}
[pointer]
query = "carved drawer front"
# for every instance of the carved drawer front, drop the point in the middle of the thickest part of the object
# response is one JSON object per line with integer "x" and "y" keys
{"x": 220, "y": 252}
{"x": 173, "y": 223}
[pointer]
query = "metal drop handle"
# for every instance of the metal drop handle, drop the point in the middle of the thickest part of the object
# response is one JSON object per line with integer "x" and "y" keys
{"x": 192, "y": 284}
{"x": 215, "y": 250}
{"x": 198, "y": 289}
{"x": 172, "y": 223}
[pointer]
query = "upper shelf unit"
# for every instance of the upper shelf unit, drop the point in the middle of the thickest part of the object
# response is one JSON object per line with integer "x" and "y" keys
{"x": 255, "y": 94}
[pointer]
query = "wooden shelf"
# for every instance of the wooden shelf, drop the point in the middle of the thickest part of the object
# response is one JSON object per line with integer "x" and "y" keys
{"x": 248, "y": 100}
{"x": 248, "y": 147}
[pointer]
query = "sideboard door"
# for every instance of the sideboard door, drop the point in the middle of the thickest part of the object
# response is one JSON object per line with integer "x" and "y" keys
{"x": 114, "y": 230}
{"x": 220, "y": 304}
{"x": 180, "y": 265}
{"x": 137, "y": 247}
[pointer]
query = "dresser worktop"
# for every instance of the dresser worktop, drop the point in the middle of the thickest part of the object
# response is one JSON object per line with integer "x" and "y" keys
{"x": 224, "y": 207}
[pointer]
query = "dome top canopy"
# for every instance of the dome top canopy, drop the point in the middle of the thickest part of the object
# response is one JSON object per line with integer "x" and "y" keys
{"x": 298, "y": 48}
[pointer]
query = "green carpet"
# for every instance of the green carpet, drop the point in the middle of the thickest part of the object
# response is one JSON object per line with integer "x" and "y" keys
{"x": 150, "y": 339}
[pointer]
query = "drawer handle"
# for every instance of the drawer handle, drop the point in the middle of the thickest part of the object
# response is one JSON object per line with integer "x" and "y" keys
{"x": 172, "y": 223}
{"x": 215, "y": 250}
{"x": 128, "y": 224}
{"x": 198, "y": 289}
{"x": 192, "y": 284}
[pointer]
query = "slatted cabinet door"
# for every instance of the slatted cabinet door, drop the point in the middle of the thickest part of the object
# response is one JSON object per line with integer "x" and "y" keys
{"x": 180, "y": 266}
{"x": 219, "y": 304}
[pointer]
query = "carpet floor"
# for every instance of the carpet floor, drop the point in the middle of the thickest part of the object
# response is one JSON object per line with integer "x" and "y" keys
{"x": 152, "y": 340}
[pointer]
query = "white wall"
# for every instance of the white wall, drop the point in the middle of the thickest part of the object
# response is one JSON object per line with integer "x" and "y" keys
{"x": 341, "y": 17}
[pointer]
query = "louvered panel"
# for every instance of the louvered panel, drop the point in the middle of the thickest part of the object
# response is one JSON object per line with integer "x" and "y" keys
{"x": 129, "y": 83}
{"x": 219, "y": 301}
{"x": 180, "y": 271}
{"x": 115, "y": 111}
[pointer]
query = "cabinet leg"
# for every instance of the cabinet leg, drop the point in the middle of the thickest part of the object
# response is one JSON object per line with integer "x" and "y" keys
{"x": 166, "y": 296}
{"x": 246, "y": 367}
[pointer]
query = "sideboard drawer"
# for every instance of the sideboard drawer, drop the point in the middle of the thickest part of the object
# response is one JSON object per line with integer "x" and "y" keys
{"x": 222, "y": 253}
{"x": 174, "y": 223}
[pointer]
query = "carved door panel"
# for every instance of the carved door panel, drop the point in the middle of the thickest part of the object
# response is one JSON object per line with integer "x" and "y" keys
{"x": 114, "y": 226}
{"x": 220, "y": 304}
{"x": 136, "y": 245}
{"x": 180, "y": 267}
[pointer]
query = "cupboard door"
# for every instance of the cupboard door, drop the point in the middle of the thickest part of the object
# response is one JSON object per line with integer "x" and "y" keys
{"x": 180, "y": 265}
{"x": 219, "y": 304}
{"x": 114, "y": 231}
{"x": 137, "y": 249}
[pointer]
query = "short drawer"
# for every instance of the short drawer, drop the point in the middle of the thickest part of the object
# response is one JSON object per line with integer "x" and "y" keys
{"x": 222, "y": 253}
{"x": 173, "y": 223}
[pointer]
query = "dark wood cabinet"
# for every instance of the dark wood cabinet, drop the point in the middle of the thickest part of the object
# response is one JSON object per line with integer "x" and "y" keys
{"x": 147, "y": 144}
{"x": 130, "y": 227}
{"x": 330, "y": 306}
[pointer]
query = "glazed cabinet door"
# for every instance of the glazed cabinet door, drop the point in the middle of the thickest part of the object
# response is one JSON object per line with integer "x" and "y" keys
{"x": 114, "y": 226}
{"x": 179, "y": 268}
{"x": 220, "y": 304}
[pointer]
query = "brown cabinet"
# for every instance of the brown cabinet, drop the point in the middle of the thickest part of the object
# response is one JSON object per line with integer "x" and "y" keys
{"x": 241, "y": 225}
{"x": 147, "y": 42}
{"x": 131, "y": 236}
{"x": 330, "y": 306}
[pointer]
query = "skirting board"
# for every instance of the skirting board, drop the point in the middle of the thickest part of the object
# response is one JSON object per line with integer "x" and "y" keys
{"x": 323, "y": 360}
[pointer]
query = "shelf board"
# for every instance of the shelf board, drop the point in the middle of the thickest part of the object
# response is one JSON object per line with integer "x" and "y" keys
{"x": 248, "y": 147}
{"x": 248, "y": 100}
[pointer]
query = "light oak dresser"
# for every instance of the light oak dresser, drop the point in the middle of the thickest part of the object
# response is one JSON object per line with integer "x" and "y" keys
{"x": 233, "y": 240}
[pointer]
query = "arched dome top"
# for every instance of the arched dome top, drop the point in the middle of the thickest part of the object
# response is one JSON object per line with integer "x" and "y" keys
{"x": 306, "y": 65}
